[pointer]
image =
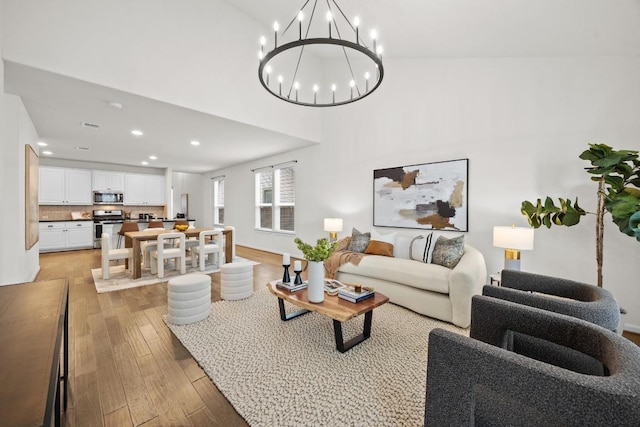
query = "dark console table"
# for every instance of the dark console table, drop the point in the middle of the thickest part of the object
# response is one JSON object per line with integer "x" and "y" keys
{"x": 34, "y": 325}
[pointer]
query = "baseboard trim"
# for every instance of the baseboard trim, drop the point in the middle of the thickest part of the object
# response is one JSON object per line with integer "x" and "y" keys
{"x": 632, "y": 328}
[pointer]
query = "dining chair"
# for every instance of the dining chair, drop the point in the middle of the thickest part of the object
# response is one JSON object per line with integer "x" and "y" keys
{"x": 150, "y": 245}
{"x": 109, "y": 254}
{"x": 166, "y": 251}
{"x": 126, "y": 226}
{"x": 207, "y": 248}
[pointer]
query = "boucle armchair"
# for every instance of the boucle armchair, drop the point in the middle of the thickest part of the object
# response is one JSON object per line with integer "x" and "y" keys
{"x": 586, "y": 302}
{"x": 477, "y": 381}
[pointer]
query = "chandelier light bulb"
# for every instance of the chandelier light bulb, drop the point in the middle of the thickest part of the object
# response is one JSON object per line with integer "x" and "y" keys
{"x": 296, "y": 85}
{"x": 300, "y": 16}
{"x": 329, "y": 16}
{"x": 263, "y": 41}
{"x": 268, "y": 69}
{"x": 333, "y": 87}
{"x": 367, "y": 75}
{"x": 356, "y": 21}
{"x": 374, "y": 34}
{"x": 276, "y": 26}
{"x": 352, "y": 83}
{"x": 261, "y": 55}
{"x": 315, "y": 88}
{"x": 379, "y": 50}
{"x": 280, "y": 79}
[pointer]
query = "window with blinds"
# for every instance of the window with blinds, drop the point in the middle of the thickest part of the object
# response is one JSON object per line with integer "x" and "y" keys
{"x": 275, "y": 198}
{"x": 218, "y": 200}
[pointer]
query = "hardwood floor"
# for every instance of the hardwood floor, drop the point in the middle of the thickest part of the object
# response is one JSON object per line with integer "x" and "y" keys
{"x": 126, "y": 367}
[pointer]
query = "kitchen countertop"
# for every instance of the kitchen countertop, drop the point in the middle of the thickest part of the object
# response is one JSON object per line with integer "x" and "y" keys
{"x": 146, "y": 221}
{"x": 65, "y": 220}
{"x": 120, "y": 221}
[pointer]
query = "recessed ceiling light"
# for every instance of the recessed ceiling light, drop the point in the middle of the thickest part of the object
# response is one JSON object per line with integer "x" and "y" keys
{"x": 144, "y": 162}
{"x": 153, "y": 157}
{"x": 48, "y": 153}
{"x": 89, "y": 125}
{"x": 42, "y": 144}
{"x": 114, "y": 104}
{"x": 137, "y": 132}
{"x": 81, "y": 148}
{"x": 195, "y": 143}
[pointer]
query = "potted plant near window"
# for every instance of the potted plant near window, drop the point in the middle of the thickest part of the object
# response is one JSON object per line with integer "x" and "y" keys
{"x": 315, "y": 255}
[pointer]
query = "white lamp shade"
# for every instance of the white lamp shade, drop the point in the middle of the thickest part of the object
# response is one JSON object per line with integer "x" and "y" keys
{"x": 333, "y": 224}
{"x": 510, "y": 237}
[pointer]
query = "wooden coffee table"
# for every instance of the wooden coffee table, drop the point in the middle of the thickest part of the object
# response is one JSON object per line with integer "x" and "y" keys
{"x": 336, "y": 308}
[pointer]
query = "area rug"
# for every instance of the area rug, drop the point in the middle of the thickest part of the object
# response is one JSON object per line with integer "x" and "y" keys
{"x": 277, "y": 373}
{"x": 121, "y": 279}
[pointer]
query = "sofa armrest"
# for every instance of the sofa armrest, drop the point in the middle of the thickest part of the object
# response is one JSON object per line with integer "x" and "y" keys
{"x": 465, "y": 281}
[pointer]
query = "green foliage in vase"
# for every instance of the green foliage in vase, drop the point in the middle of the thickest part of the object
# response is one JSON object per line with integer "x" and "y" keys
{"x": 321, "y": 251}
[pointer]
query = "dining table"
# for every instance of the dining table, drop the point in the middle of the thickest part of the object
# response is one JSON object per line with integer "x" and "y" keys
{"x": 133, "y": 239}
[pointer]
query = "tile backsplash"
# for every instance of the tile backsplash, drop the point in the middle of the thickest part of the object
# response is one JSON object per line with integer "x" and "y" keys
{"x": 57, "y": 213}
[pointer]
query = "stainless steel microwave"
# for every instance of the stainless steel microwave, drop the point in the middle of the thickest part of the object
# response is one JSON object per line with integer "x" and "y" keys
{"x": 108, "y": 198}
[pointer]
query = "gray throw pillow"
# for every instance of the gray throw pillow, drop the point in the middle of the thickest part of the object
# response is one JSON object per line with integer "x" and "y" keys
{"x": 447, "y": 252}
{"x": 359, "y": 241}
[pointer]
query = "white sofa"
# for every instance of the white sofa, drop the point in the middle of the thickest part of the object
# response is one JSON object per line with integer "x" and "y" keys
{"x": 429, "y": 289}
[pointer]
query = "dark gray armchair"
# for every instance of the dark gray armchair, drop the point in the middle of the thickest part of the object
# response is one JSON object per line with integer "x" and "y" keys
{"x": 587, "y": 302}
{"x": 479, "y": 381}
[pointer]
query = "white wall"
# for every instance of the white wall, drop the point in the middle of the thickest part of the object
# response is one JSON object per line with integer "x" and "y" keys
{"x": 192, "y": 54}
{"x": 18, "y": 265}
{"x": 521, "y": 122}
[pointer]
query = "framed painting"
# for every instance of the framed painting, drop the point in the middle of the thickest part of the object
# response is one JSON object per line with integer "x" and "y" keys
{"x": 432, "y": 196}
{"x": 31, "y": 211}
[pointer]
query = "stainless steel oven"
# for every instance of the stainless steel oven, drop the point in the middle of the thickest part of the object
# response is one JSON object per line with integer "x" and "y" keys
{"x": 108, "y": 198}
{"x": 99, "y": 218}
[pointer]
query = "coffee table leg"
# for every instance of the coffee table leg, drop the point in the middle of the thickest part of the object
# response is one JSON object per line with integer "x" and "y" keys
{"x": 342, "y": 346}
{"x": 284, "y": 316}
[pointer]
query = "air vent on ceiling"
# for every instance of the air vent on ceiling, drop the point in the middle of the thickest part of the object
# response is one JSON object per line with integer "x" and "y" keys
{"x": 90, "y": 125}
{"x": 82, "y": 148}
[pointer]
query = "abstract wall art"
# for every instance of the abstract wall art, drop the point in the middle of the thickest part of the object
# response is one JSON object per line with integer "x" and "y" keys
{"x": 428, "y": 196}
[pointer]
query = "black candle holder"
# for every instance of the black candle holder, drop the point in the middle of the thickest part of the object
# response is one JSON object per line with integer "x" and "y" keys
{"x": 285, "y": 276}
{"x": 298, "y": 279}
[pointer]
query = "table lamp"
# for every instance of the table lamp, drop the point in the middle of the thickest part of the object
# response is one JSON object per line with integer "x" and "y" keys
{"x": 513, "y": 239}
{"x": 333, "y": 225}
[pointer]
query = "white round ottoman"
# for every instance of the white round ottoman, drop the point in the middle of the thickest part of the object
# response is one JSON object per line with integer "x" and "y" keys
{"x": 236, "y": 280}
{"x": 189, "y": 298}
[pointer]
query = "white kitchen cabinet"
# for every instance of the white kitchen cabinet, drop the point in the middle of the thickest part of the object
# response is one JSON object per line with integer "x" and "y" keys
{"x": 143, "y": 189}
{"x": 108, "y": 181}
{"x": 61, "y": 186}
{"x": 60, "y": 236}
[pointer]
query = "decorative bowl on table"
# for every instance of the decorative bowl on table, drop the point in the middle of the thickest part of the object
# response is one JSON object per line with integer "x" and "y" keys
{"x": 181, "y": 227}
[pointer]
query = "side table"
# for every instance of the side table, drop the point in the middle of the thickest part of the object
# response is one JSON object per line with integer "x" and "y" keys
{"x": 495, "y": 279}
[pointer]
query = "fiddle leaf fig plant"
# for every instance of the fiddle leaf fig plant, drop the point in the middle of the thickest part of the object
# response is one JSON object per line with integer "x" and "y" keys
{"x": 617, "y": 173}
{"x": 318, "y": 253}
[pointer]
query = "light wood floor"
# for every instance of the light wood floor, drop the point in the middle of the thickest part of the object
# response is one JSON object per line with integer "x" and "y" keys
{"x": 126, "y": 367}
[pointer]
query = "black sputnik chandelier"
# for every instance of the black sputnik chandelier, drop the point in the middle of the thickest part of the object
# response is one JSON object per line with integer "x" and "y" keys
{"x": 320, "y": 63}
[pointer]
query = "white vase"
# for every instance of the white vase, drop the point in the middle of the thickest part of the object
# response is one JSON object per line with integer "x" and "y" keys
{"x": 315, "y": 289}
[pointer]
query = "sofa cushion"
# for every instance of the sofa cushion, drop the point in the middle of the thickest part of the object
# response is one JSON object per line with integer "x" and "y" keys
{"x": 431, "y": 277}
{"x": 359, "y": 241}
{"x": 447, "y": 252}
{"x": 379, "y": 248}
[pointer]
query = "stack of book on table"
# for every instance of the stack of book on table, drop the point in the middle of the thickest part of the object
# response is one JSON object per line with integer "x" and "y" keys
{"x": 289, "y": 286}
{"x": 349, "y": 293}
